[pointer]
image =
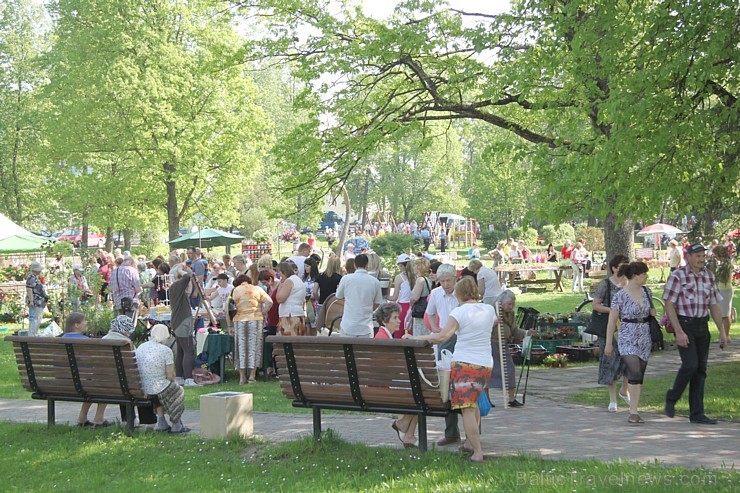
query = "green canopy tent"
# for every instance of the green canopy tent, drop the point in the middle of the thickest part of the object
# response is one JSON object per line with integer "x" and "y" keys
{"x": 206, "y": 238}
{"x": 14, "y": 239}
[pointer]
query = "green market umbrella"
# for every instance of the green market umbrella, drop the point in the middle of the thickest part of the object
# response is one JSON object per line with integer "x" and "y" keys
{"x": 206, "y": 238}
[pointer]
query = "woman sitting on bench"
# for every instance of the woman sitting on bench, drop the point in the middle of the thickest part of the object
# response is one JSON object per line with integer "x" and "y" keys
{"x": 388, "y": 315}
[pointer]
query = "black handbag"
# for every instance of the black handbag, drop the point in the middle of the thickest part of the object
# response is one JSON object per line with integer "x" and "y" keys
{"x": 597, "y": 325}
{"x": 656, "y": 333}
{"x": 420, "y": 307}
{"x": 232, "y": 308}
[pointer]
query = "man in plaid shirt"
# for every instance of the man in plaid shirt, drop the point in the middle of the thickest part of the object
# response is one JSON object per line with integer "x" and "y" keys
{"x": 125, "y": 285}
{"x": 691, "y": 295}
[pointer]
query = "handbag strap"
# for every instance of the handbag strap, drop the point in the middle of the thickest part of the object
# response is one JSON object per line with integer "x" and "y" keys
{"x": 426, "y": 380}
{"x": 650, "y": 298}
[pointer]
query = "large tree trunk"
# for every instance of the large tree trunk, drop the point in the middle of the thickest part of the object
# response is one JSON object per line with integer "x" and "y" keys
{"x": 127, "y": 234}
{"x": 618, "y": 237}
{"x": 109, "y": 239}
{"x": 345, "y": 226}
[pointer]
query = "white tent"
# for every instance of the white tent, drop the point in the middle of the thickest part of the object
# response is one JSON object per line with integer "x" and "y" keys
{"x": 15, "y": 239}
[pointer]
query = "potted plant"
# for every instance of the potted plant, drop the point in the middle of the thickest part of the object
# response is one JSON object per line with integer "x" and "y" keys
{"x": 557, "y": 360}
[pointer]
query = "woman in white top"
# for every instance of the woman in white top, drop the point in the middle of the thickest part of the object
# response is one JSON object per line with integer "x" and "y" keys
{"x": 422, "y": 289}
{"x": 291, "y": 294}
{"x": 578, "y": 259}
{"x": 402, "y": 288}
{"x": 488, "y": 285}
{"x": 472, "y": 361}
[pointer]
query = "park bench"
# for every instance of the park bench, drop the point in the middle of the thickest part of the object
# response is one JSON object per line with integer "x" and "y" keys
{"x": 80, "y": 370}
{"x": 360, "y": 374}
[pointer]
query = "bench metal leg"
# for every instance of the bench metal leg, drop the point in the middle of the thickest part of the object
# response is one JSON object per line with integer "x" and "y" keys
{"x": 129, "y": 419}
{"x": 50, "y": 413}
{"x": 316, "y": 422}
{"x": 422, "y": 433}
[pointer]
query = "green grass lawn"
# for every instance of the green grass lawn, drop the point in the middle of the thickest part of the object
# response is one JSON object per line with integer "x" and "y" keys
{"x": 721, "y": 393}
{"x": 73, "y": 459}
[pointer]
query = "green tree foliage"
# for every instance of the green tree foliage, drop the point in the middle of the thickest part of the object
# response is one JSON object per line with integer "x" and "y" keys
{"x": 157, "y": 90}
{"x": 610, "y": 94}
{"x": 594, "y": 237}
{"x": 557, "y": 234}
{"x": 23, "y": 27}
{"x": 391, "y": 245}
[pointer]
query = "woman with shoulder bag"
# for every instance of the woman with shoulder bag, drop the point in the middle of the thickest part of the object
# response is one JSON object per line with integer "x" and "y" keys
{"x": 633, "y": 307}
{"x": 612, "y": 367}
{"x": 419, "y": 295}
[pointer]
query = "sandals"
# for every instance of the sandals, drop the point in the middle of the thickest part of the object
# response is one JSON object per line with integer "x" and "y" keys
{"x": 86, "y": 424}
{"x": 398, "y": 432}
{"x": 104, "y": 424}
{"x": 635, "y": 419}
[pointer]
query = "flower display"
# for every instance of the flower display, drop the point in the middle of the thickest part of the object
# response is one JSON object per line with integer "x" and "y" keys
{"x": 290, "y": 235}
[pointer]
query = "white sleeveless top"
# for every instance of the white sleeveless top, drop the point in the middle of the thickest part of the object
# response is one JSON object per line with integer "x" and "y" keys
{"x": 404, "y": 291}
{"x": 295, "y": 305}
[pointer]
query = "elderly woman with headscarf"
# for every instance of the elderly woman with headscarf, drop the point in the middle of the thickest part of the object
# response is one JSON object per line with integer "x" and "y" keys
{"x": 157, "y": 369}
{"x": 505, "y": 306}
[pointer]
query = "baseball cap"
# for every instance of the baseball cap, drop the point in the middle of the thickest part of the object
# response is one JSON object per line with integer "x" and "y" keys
{"x": 403, "y": 258}
{"x": 696, "y": 247}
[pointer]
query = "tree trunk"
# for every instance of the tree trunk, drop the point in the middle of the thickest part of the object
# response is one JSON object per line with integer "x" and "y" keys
{"x": 618, "y": 237}
{"x": 127, "y": 234}
{"x": 85, "y": 231}
{"x": 173, "y": 219}
{"x": 345, "y": 226}
{"x": 109, "y": 239}
{"x": 364, "y": 200}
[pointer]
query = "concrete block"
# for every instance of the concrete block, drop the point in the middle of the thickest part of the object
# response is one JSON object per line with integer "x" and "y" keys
{"x": 224, "y": 414}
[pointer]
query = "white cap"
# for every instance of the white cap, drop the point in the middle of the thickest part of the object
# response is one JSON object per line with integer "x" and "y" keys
{"x": 403, "y": 258}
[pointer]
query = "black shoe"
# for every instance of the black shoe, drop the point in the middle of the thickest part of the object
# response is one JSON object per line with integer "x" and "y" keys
{"x": 703, "y": 420}
{"x": 515, "y": 403}
{"x": 670, "y": 408}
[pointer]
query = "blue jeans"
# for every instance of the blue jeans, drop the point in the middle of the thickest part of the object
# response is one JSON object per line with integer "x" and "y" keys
{"x": 35, "y": 313}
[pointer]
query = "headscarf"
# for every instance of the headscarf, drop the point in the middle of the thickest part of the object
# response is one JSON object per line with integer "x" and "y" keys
{"x": 122, "y": 325}
{"x": 159, "y": 333}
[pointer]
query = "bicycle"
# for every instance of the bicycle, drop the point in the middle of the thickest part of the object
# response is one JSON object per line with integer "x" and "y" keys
{"x": 658, "y": 304}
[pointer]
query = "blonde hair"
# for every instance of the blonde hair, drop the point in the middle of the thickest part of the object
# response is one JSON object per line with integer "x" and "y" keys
{"x": 333, "y": 265}
{"x": 474, "y": 265}
{"x": 265, "y": 262}
{"x": 373, "y": 262}
{"x": 466, "y": 289}
{"x": 422, "y": 267}
{"x": 408, "y": 268}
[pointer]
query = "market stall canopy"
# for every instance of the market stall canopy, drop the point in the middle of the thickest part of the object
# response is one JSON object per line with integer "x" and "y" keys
{"x": 659, "y": 229}
{"x": 15, "y": 239}
{"x": 206, "y": 238}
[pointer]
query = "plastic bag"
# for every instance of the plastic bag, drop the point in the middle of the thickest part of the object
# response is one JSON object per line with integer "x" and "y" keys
{"x": 526, "y": 347}
{"x": 51, "y": 330}
{"x": 445, "y": 360}
{"x": 484, "y": 404}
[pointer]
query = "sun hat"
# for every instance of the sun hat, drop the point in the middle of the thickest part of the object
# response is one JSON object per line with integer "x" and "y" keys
{"x": 36, "y": 267}
{"x": 77, "y": 267}
{"x": 159, "y": 333}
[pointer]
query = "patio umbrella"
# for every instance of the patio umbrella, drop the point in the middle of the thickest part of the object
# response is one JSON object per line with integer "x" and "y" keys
{"x": 206, "y": 238}
{"x": 659, "y": 229}
{"x": 359, "y": 244}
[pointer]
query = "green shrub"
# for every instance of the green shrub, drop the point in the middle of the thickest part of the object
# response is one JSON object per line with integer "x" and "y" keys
{"x": 557, "y": 234}
{"x": 391, "y": 245}
{"x": 63, "y": 248}
{"x": 529, "y": 235}
{"x": 594, "y": 237}
{"x": 489, "y": 240}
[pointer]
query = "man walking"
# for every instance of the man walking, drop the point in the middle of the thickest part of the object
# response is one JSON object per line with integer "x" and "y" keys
{"x": 691, "y": 295}
{"x": 361, "y": 294}
{"x": 441, "y": 302}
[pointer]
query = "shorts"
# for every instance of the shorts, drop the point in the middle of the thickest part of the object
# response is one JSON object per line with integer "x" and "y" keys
{"x": 467, "y": 381}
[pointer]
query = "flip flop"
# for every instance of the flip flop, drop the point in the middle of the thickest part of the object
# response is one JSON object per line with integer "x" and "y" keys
{"x": 635, "y": 419}
{"x": 86, "y": 424}
{"x": 104, "y": 424}
{"x": 466, "y": 450}
{"x": 410, "y": 445}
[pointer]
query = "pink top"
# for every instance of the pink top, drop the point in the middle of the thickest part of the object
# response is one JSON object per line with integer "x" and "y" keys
{"x": 383, "y": 333}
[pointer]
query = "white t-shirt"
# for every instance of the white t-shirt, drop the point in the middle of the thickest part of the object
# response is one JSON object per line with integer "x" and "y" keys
{"x": 300, "y": 262}
{"x": 360, "y": 292}
{"x": 490, "y": 278}
{"x": 441, "y": 304}
{"x": 219, "y": 301}
{"x": 152, "y": 358}
{"x": 475, "y": 322}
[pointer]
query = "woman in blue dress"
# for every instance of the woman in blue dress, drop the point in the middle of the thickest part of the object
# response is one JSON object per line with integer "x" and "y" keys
{"x": 631, "y": 306}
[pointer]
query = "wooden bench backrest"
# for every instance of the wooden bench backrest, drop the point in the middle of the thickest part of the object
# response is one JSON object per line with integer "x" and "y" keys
{"x": 364, "y": 372}
{"x": 48, "y": 365}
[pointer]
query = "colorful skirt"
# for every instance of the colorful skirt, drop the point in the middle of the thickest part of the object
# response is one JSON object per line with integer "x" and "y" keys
{"x": 467, "y": 381}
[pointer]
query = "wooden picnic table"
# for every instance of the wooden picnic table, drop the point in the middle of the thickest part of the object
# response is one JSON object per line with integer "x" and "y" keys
{"x": 512, "y": 270}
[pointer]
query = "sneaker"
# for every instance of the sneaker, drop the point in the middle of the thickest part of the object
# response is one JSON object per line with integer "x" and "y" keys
{"x": 180, "y": 381}
{"x": 612, "y": 407}
{"x": 703, "y": 420}
{"x": 191, "y": 383}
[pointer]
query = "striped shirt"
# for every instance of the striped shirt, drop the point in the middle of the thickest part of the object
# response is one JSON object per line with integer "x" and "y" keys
{"x": 691, "y": 293}
{"x": 124, "y": 283}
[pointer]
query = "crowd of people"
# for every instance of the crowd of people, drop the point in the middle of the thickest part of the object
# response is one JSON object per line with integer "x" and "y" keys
{"x": 426, "y": 300}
